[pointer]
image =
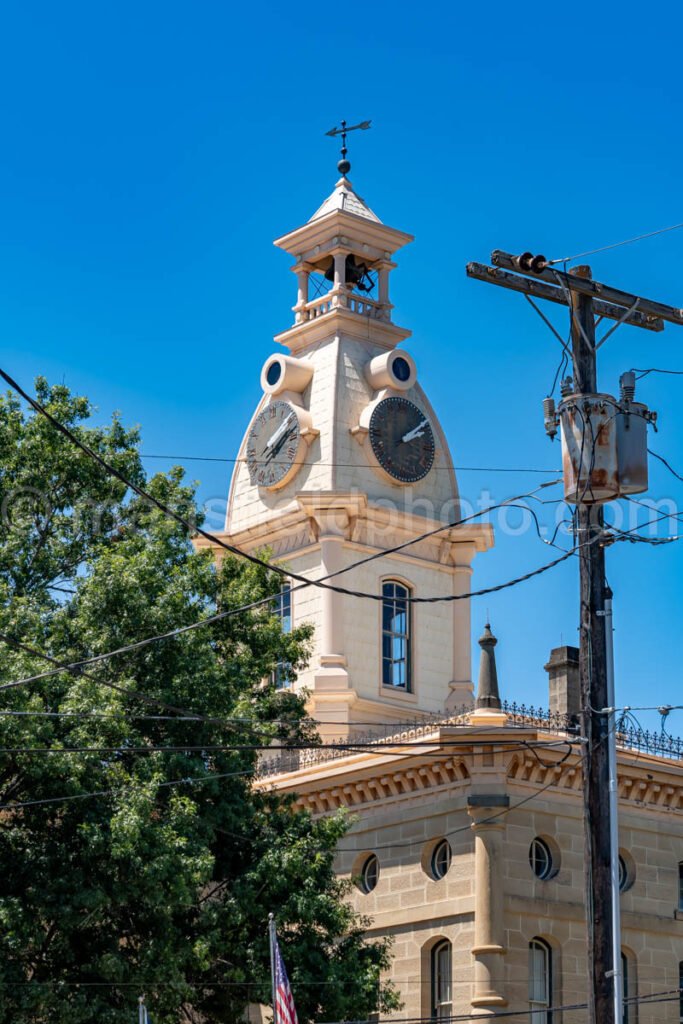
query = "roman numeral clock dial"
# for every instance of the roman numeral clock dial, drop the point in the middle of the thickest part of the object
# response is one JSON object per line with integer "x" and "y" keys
{"x": 275, "y": 446}
{"x": 401, "y": 439}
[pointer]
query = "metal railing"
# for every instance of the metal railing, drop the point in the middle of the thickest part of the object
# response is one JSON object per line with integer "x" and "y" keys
{"x": 521, "y": 716}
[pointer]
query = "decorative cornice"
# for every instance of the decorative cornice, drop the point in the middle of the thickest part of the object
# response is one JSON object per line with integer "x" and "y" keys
{"x": 642, "y": 787}
{"x": 385, "y": 787}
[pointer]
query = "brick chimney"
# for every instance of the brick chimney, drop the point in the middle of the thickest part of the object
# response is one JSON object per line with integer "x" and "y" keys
{"x": 563, "y": 681}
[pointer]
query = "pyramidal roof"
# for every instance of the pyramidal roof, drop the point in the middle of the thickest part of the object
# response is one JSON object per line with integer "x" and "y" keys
{"x": 344, "y": 198}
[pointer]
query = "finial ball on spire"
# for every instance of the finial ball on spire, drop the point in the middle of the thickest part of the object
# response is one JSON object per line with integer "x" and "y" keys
{"x": 344, "y": 166}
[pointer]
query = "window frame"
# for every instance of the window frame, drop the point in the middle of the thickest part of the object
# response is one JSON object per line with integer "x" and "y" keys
{"x": 540, "y": 1009}
{"x": 283, "y": 610}
{"x": 441, "y": 1008}
{"x": 538, "y": 843}
{"x": 402, "y": 591}
{"x": 436, "y": 871}
{"x": 365, "y": 887}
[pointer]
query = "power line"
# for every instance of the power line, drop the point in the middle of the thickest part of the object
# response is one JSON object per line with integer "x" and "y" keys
{"x": 190, "y": 781}
{"x": 254, "y": 559}
{"x": 614, "y": 245}
{"x": 77, "y": 666}
{"x": 483, "y": 821}
{"x": 385, "y": 552}
{"x": 652, "y": 707}
{"x": 77, "y": 671}
{"x": 678, "y": 516}
{"x": 348, "y": 465}
{"x": 668, "y": 465}
{"x": 123, "y": 716}
{"x": 667, "y": 996}
{"x": 655, "y": 369}
{"x": 379, "y": 746}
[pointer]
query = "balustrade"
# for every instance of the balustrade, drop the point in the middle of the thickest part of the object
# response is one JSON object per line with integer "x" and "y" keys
{"x": 361, "y": 305}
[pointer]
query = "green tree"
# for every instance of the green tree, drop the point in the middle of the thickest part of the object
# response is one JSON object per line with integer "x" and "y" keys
{"x": 152, "y": 884}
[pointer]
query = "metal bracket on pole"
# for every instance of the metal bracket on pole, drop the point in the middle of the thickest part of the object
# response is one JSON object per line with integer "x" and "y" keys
{"x": 575, "y": 318}
{"x": 619, "y": 322}
{"x": 545, "y": 319}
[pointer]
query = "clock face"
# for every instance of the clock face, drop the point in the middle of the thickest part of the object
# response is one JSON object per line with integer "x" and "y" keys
{"x": 402, "y": 440}
{"x": 273, "y": 445}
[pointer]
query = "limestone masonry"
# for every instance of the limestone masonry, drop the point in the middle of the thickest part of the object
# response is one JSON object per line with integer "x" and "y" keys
{"x": 467, "y": 846}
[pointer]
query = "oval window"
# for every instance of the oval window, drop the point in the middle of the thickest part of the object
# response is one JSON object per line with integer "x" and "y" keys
{"x": 369, "y": 875}
{"x": 627, "y": 872}
{"x": 541, "y": 859}
{"x": 441, "y": 859}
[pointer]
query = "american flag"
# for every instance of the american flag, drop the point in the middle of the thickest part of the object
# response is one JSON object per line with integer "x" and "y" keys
{"x": 285, "y": 1011}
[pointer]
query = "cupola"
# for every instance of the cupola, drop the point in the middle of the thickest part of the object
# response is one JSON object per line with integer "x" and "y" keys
{"x": 343, "y": 259}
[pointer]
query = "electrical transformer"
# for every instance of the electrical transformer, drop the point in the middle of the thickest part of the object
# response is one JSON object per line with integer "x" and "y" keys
{"x": 604, "y": 442}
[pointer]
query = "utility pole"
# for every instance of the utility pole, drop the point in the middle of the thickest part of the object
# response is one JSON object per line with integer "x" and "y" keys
{"x": 586, "y": 299}
{"x": 593, "y": 685}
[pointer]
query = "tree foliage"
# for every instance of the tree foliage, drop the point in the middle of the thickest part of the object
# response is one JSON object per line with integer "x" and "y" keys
{"x": 127, "y": 868}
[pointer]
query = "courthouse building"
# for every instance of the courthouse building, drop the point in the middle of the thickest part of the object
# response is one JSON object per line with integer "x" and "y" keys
{"x": 467, "y": 844}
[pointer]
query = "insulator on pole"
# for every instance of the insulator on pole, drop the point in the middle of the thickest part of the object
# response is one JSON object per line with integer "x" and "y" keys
{"x": 550, "y": 417}
{"x": 627, "y": 386}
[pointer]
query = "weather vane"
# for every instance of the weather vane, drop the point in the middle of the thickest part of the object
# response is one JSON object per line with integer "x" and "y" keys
{"x": 344, "y": 166}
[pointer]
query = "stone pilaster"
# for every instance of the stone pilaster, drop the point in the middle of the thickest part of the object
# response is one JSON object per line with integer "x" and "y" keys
{"x": 489, "y": 930}
{"x": 332, "y": 516}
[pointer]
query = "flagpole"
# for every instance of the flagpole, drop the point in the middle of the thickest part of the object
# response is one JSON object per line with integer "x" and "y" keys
{"x": 272, "y": 940}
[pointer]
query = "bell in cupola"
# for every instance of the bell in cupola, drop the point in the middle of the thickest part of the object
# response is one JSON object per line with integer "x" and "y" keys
{"x": 357, "y": 274}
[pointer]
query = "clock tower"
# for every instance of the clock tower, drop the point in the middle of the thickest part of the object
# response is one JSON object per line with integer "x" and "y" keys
{"x": 343, "y": 459}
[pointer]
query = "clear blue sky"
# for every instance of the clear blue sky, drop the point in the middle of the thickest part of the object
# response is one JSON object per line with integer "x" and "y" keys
{"x": 151, "y": 152}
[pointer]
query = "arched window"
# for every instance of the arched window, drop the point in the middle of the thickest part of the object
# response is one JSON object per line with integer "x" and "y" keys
{"x": 395, "y": 635}
{"x": 442, "y": 1000}
{"x": 540, "y": 982}
{"x": 629, "y": 987}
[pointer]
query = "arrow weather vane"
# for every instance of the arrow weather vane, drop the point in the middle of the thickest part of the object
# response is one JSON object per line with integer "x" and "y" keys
{"x": 344, "y": 166}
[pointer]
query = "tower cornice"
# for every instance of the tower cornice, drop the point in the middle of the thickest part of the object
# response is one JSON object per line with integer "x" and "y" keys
{"x": 337, "y": 320}
{"x": 320, "y": 232}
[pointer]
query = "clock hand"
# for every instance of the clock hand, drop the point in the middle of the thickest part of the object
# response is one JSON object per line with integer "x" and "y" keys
{"x": 278, "y": 433}
{"x": 415, "y": 432}
{"x": 276, "y": 449}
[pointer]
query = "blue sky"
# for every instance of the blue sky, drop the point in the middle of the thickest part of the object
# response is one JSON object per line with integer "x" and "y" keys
{"x": 151, "y": 152}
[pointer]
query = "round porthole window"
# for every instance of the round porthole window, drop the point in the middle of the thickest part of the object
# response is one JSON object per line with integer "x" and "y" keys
{"x": 541, "y": 859}
{"x": 369, "y": 874}
{"x": 441, "y": 859}
{"x": 274, "y": 372}
{"x": 401, "y": 369}
{"x": 627, "y": 871}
